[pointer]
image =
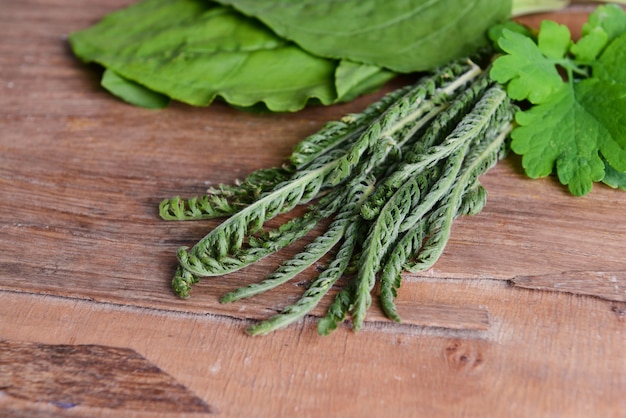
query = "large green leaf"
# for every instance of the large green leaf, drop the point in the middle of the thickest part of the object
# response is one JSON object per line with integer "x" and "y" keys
{"x": 405, "y": 36}
{"x": 133, "y": 93}
{"x": 194, "y": 51}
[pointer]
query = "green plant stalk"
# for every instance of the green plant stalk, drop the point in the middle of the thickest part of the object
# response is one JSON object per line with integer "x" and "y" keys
{"x": 317, "y": 290}
{"x": 338, "y": 310}
{"x": 419, "y": 106}
{"x": 391, "y": 275}
{"x": 216, "y": 249}
{"x": 320, "y": 246}
{"x": 224, "y": 200}
{"x": 440, "y": 221}
{"x": 449, "y": 119}
{"x": 408, "y": 199}
{"x": 463, "y": 199}
{"x": 344, "y": 228}
{"x": 228, "y": 260}
{"x": 525, "y": 7}
{"x": 228, "y": 237}
{"x": 346, "y": 130}
{"x": 429, "y": 149}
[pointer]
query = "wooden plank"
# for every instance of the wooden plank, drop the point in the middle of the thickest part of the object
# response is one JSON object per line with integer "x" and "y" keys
{"x": 545, "y": 354}
{"x": 85, "y": 261}
{"x": 609, "y": 285}
{"x": 91, "y": 375}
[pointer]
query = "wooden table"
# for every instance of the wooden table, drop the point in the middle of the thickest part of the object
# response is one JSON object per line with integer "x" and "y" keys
{"x": 523, "y": 316}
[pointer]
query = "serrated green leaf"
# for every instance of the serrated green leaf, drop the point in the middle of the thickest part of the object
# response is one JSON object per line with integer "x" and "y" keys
{"x": 529, "y": 74}
{"x": 611, "y": 18}
{"x": 611, "y": 66}
{"x": 604, "y": 25}
{"x": 495, "y": 32}
{"x": 569, "y": 133}
{"x": 578, "y": 123}
{"x": 554, "y": 39}
{"x": 589, "y": 46}
{"x": 405, "y": 36}
{"x": 607, "y": 106}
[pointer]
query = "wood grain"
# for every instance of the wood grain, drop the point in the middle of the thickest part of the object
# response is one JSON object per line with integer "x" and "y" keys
{"x": 609, "y": 285}
{"x": 91, "y": 375}
{"x": 545, "y": 354}
{"x": 85, "y": 260}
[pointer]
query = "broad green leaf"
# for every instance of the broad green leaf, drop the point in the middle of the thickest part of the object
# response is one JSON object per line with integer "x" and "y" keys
{"x": 529, "y": 74}
{"x": 404, "y": 36}
{"x": 353, "y": 79}
{"x": 133, "y": 93}
{"x": 195, "y": 51}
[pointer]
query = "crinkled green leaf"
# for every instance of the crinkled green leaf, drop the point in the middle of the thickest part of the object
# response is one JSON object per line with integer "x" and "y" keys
{"x": 405, "y": 36}
{"x": 529, "y": 74}
{"x": 133, "y": 93}
{"x": 194, "y": 51}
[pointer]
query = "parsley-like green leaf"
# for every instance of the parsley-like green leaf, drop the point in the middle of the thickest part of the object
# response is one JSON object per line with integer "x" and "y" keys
{"x": 611, "y": 18}
{"x": 576, "y": 124}
{"x": 589, "y": 46}
{"x": 554, "y": 40}
{"x": 526, "y": 70}
{"x": 568, "y": 132}
{"x": 610, "y": 66}
{"x": 605, "y": 24}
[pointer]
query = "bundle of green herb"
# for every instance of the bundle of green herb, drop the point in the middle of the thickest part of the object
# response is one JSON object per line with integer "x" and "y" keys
{"x": 391, "y": 179}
